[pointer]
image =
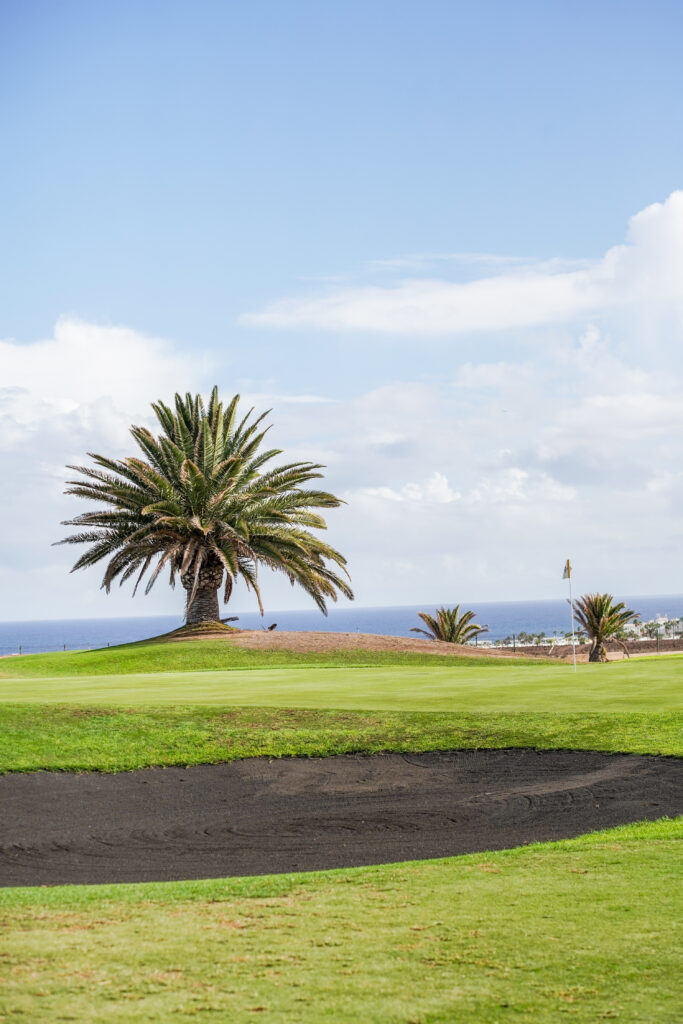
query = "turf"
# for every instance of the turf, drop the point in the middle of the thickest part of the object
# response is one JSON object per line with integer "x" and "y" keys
{"x": 205, "y": 655}
{"x": 110, "y": 722}
{"x": 646, "y": 684}
{"x": 582, "y": 930}
{"x": 57, "y": 737}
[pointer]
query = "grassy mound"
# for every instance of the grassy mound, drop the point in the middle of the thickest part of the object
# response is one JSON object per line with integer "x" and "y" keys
{"x": 198, "y": 631}
{"x": 185, "y": 650}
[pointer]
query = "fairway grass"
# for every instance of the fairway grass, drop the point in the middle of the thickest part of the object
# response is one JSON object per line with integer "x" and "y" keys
{"x": 647, "y": 684}
{"x": 582, "y": 930}
{"x": 118, "y": 722}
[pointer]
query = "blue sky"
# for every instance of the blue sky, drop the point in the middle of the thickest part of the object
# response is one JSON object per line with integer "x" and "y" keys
{"x": 168, "y": 165}
{"x": 254, "y": 184}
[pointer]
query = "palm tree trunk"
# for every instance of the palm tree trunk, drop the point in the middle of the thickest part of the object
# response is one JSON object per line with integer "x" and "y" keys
{"x": 597, "y": 651}
{"x": 204, "y": 607}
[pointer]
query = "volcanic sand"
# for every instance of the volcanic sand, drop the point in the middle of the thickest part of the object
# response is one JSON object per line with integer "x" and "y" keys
{"x": 258, "y": 816}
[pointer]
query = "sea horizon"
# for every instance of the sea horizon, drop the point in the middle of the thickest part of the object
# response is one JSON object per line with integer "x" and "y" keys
{"x": 503, "y": 619}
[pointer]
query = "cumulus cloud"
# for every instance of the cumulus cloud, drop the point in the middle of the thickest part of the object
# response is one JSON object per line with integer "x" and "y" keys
{"x": 508, "y": 486}
{"x": 435, "y": 489}
{"x": 61, "y": 397}
{"x": 480, "y": 484}
{"x": 470, "y": 477}
{"x": 647, "y": 269}
{"x": 87, "y": 381}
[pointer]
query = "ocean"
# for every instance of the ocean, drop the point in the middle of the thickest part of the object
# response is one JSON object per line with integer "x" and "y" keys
{"x": 503, "y": 618}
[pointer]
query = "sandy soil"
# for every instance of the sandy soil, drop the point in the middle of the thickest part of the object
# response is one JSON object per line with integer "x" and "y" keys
{"x": 311, "y": 641}
{"x": 299, "y": 814}
{"x": 281, "y": 640}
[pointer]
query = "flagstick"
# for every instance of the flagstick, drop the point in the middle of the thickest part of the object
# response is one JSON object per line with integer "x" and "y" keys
{"x": 571, "y": 605}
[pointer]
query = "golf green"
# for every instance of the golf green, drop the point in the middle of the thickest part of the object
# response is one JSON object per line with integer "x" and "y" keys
{"x": 647, "y": 684}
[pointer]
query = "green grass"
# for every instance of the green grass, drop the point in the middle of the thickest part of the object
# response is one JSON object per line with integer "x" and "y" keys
{"x": 647, "y": 684}
{"x": 583, "y": 930}
{"x": 205, "y": 655}
{"x": 58, "y": 737}
{"x": 114, "y": 722}
{"x": 580, "y": 930}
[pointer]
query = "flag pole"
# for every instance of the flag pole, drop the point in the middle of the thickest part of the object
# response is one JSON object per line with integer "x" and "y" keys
{"x": 568, "y": 574}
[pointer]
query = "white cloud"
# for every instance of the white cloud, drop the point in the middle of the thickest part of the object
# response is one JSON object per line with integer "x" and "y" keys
{"x": 647, "y": 270}
{"x": 88, "y": 381}
{"x": 474, "y": 482}
{"x": 61, "y": 397}
{"x": 84, "y": 362}
{"x": 482, "y": 484}
{"x": 421, "y": 259}
{"x": 438, "y": 307}
{"x": 435, "y": 489}
{"x": 508, "y": 487}
{"x": 264, "y": 399}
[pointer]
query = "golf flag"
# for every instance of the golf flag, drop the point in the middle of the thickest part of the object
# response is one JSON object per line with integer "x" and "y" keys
{"x": 567, "y": 574}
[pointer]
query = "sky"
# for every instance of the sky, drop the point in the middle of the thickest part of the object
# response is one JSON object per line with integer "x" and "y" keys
{"x": 442, "y": 241}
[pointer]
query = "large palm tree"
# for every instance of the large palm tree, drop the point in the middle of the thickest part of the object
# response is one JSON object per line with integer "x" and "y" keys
{"x": 450, "y": 626}
{"x": 202, "y": 503}
{"x": 602, "y": 620}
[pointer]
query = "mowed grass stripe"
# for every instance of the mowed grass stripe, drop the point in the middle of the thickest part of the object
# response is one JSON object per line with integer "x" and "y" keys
{"x": 647, "y": 684}
{"x": 584, "y": 929}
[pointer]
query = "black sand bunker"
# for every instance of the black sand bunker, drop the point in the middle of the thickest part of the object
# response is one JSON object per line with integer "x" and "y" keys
{"x": 257, "y": 816}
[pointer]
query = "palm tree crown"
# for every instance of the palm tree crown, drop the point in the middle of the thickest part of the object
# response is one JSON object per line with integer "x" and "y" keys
{"x": 601, "y": 619}
{"x": 450, "y": 626}
{"x": 201, "y": 503}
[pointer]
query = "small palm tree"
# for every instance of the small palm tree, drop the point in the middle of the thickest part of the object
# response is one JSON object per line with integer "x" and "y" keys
{"x": 201, "y": 504}
{"x": 602, "y": 620}
{"x": 450, "y": 626}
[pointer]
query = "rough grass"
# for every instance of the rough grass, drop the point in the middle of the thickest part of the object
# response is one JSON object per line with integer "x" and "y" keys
{"x": 71, "y": 738}
{"x": 583, "y": 930}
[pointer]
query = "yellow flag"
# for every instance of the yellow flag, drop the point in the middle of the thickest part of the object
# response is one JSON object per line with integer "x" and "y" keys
{"x": 567, "y": 574}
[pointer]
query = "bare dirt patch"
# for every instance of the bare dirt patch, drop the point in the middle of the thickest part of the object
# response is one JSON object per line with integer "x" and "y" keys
{"x": 314, "y": 642}
{"x": 325, "y": 643}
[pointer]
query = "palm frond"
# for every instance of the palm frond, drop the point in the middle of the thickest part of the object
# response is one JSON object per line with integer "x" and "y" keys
{"x": 450, "y": 626}
{"x": 601, "y": 619}
{"x": 203, "y": 499}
